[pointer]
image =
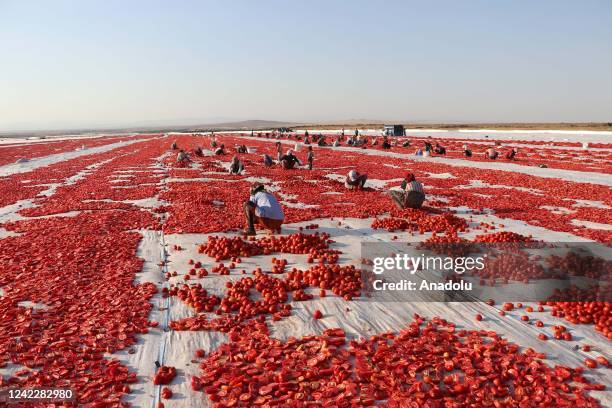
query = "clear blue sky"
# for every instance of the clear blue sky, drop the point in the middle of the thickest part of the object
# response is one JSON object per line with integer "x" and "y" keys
{"x": 116, "y": 63}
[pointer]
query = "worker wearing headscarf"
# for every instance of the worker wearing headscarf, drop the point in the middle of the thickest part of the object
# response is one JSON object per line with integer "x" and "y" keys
{"x": 236, "y": 166}
{"x": 410, "y": 195}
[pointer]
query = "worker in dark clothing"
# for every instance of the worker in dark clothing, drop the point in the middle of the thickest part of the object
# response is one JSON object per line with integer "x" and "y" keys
{"x": 467, "y": 151}
{"x": 440, "y": 149}
{"x": 385, "y": 143}
{"x": 268, "y": 162}
{"x": 236, "y": 166}
{"x": 220, "y": 150}
{"x": 310, "y": 157}
{"x": 511, "y": 154}
{"x": 289, "y": 160}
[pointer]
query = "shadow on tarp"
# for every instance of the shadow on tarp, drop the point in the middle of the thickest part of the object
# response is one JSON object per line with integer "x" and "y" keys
{"x": 468, "y": 272}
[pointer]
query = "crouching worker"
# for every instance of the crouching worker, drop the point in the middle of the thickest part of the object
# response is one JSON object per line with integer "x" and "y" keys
{"x": 289, "y": 160}
{"x": 491, "y": 154}
{"x": 267, "y": 160}
{"x": 174, "y": 146}
{"x": 441, "y": 150}
{"x": 511, "y": 154}
{"x": 242, "y": 149}
{"x": 411, "y": 194}
{"x": 220, "y": 150}
{"x": 198, "y": 151}
{"x": 182, "y": 157}
{"x": 236, "y": 166}
{"x": 262, "y": 208}
{"x": 467, "y": 151}
{"x": 354, "y": 180}
{"x": 385, "y": 143}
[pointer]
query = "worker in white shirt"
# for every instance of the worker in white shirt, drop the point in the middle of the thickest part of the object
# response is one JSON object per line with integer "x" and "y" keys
{"x": 262, "y": 208}
{"x": 354, "y": 180}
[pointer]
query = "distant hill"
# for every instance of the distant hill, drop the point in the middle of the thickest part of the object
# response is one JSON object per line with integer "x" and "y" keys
{"x": 247, "y": 125}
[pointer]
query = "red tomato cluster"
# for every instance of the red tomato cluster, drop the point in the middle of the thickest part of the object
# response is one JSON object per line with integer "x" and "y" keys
{"x": 422, "y": 221}
{"x": 82, "y": 270}
{"x": 393, "y": 224}
{"x": 11, "y": 152}
{"x": 598, "y": 314}
{"x": 315, "y": 245}
{"x": 507, "y": 266}
{"x": 164, "y": 375}
{"x": 429, "y": 363}
{"x": 238, "y": 306}
{"x": 572, "y": 264}
{"x": 504, "y": 236}
{"x": 222, "y": 248}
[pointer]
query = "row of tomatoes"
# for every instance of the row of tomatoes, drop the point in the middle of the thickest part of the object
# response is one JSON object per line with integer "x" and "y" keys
{"x": 262, "y": 294}
{"x": 428, "y": 363}
{"x": 315, "y": 245}
{"x": 80, "y": 271}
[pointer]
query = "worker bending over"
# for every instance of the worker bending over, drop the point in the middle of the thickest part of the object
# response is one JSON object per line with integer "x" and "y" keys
{"x": 174, "y": 145}
{"x": 220, "y": 150}
{"x": 411, "y": 194}
{"x": 267, "y": 160}
{"x": 490, "y": 153}
{"x": 289, "y": 160}
{"x": 354, "y": 180}
{"x": 467, "y": 151}
{"x": 236, "y": 166}
{"x": 510, "y": 155}
{"x": 262, "y": 208}
{"x": 385, "y": 143}
{"x": 440, "y": 149}
{"x": 182, "y": 157}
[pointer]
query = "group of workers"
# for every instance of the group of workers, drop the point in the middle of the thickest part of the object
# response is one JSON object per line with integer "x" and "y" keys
{"x": 263, "y": 207}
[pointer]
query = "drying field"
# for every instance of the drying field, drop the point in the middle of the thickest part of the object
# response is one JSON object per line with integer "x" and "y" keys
{"x": 125, "y": 277}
